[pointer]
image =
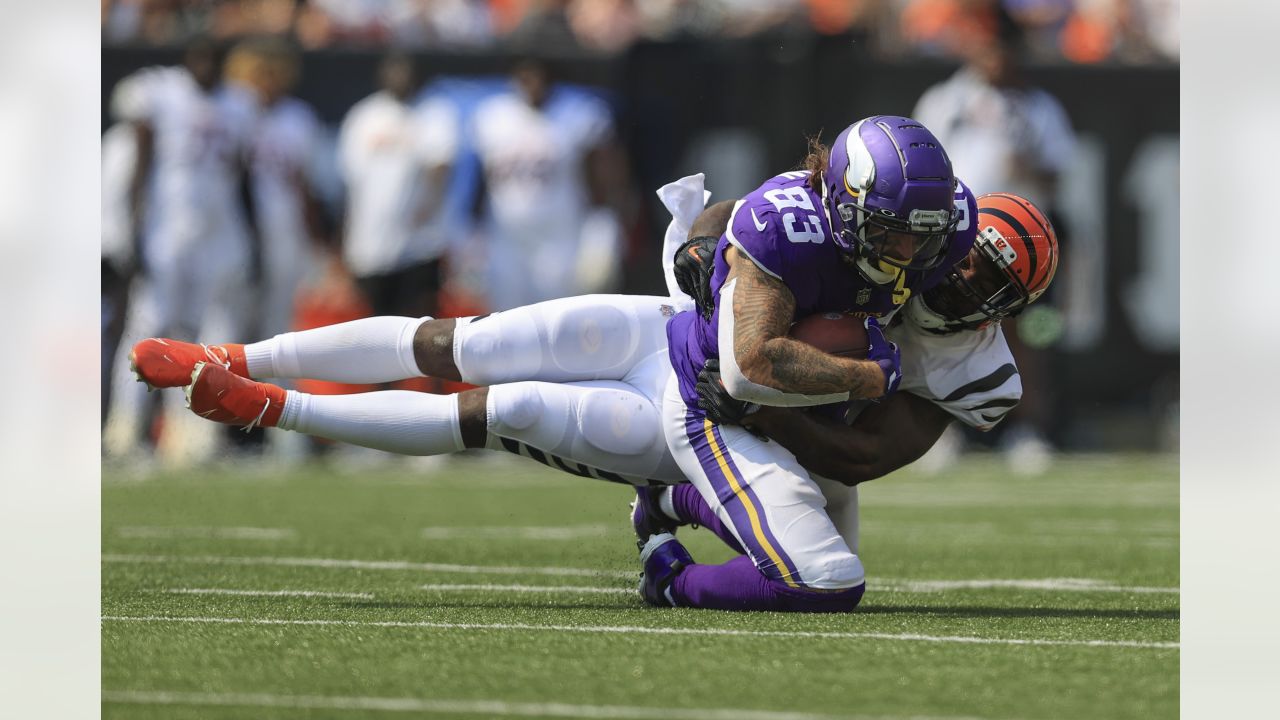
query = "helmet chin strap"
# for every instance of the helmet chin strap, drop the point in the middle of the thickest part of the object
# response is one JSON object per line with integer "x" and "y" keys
{"x": 882, "y": 273}
{"x": 826, "y": 210}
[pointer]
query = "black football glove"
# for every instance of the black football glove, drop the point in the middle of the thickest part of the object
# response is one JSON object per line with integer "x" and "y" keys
{"x": 695, "y": 261}
{"x": 721, "y": 407}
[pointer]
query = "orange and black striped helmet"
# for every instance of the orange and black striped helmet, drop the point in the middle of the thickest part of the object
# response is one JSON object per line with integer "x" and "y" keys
{"x": 1014, "y": 258}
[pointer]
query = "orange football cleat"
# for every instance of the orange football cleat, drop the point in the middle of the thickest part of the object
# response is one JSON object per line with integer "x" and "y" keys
{"x": 217, "y": 394}
{"x": 161, "y": 362}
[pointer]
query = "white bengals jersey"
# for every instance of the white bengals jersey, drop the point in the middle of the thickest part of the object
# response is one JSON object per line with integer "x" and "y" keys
{"x": 200, "y": 141}
{"x": 387, "y": 150}
{"x": 532, "y": 159}
{"x": 970, "y": 374}
{"x": 999, "y": 139}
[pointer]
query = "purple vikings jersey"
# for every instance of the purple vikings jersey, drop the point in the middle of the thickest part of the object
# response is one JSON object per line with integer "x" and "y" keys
{"x": 781, "y": 227}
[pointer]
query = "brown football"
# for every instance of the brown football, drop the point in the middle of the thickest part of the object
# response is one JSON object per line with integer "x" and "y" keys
{"x": 834, "y": 333}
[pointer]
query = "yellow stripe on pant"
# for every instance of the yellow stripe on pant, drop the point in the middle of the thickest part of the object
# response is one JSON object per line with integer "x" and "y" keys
{"x": 752, "y": 513}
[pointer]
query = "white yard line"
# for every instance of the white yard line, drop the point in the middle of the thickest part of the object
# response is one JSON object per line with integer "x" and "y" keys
{"x": 888, "y": 584}
{"x": 271, "y": 593}
{"x": 635, "y": 630}
{"x": 473, "y": 707}
{"x": 569, "y": 532}
{"x": 370, "y": 565}
{"x": 535, "y": 589}
{"x": 1067, "y": 584}
{"x": 205, "y": 533}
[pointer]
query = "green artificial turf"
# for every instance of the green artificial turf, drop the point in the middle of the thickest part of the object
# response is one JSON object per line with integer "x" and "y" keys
{"x": 499, "y": 588}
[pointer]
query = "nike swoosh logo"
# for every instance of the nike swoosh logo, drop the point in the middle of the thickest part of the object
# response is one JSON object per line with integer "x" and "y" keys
{"x": 759, "y": 225}
{"x": 694, "y": 253}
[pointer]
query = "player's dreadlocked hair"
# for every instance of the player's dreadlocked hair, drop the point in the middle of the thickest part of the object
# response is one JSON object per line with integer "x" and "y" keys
{"x": 816, "y": 163}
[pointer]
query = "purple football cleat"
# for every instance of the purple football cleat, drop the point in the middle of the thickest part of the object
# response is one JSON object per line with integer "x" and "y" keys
{"x": 661, "y": 560}
{"x": 647, "y": 517}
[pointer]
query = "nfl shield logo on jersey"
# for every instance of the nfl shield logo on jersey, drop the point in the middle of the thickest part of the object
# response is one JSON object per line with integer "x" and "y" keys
{"x": 863, "y": 296}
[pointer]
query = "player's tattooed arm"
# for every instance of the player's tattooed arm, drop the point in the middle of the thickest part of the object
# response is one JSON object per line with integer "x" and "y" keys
{"x": 762, "y": 310}
{"x": 885, "y": 437}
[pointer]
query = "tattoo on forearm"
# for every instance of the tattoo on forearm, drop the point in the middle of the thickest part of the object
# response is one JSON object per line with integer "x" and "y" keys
{"x": 763, "y": 308}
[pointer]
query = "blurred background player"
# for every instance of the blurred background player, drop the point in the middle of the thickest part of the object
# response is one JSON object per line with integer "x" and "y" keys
{"x": 554, "y": 180}
{"x": 119, "y": 158}
{"x": 296, "y": 248}
{"x": 192, "y": 141}
{"x": 1005, "y": 135}
{"x": 395, "y": 156}
{"x": 285, "y": 153}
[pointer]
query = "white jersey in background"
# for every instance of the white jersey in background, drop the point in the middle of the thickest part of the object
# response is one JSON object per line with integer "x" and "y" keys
{"x": 386, "y": 151}
{"x": 999, "y": 139}
{"x": 533, "y": 161}
{"x": 195, "y": 242}
{"x": 200, "y": 139}
{"x": 284, "y": 153}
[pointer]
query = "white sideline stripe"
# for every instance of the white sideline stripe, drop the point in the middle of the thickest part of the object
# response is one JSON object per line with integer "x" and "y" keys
{"x": 535, "y": 588}
{"x": 474, "y": 707}
{"x": 372, "y": 565}
{"x": 219, "y": 533}
{"x": 890, "y": 584}
{"x": 271, "y": 593}
{"x": 631, "y": 630}
{"x": 570, "y": 532}
{"x": 1069, "y": 584}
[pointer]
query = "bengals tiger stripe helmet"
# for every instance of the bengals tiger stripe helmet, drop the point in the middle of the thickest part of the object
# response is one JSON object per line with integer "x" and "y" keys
{"x": 1014, "y": 258}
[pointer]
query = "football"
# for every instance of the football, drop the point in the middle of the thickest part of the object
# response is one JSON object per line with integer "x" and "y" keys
{"x": 834, "y": 333}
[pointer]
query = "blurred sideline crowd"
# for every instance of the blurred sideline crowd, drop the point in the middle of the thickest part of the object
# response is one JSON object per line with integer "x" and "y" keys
{"x": 1075, "y": 31}
{"x": 231, "y": 213}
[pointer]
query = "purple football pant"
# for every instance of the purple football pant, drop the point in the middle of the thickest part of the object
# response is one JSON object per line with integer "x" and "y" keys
{"x": 738, "y": 584}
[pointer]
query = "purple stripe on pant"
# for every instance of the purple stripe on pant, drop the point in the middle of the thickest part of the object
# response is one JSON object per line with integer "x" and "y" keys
{"x": 734, "y": 503}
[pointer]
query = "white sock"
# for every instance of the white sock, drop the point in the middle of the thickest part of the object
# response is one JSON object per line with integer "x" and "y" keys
{"x": 398, "y": 421}
{"x": 371, "y": 350}
{"x": 666, "y": 504}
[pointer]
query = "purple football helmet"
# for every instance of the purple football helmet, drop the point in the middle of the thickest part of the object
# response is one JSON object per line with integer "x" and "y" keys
{"x": 889, "y": 193}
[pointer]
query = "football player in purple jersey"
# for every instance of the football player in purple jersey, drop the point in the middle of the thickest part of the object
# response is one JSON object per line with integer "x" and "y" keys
{"x": 870, "y": 221}
{"x": 957, "y": 366}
